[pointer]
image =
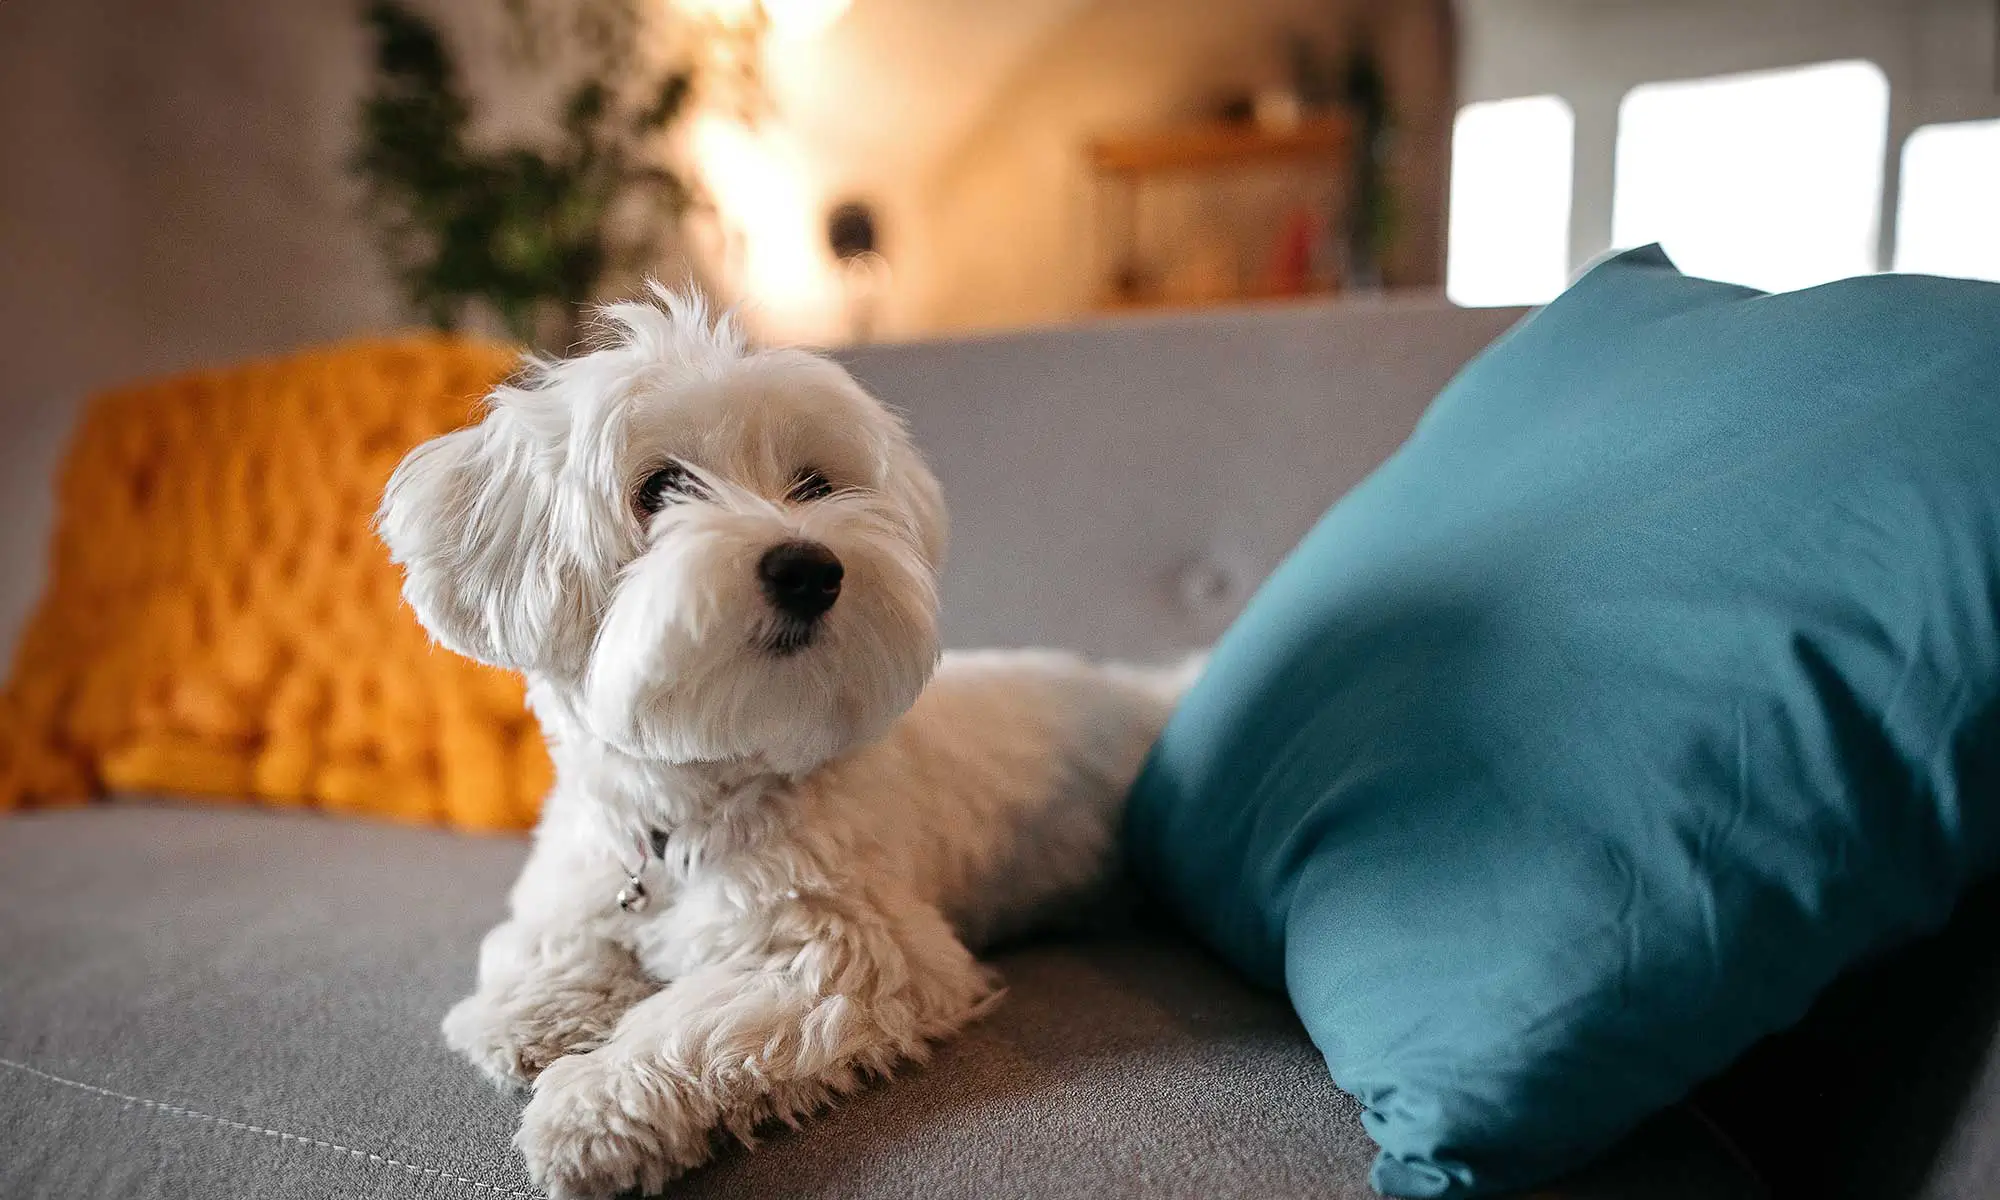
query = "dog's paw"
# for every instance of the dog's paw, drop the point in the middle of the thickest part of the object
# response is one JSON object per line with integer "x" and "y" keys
{"x": 597, "y": 1127}
{"x": 512, "y": 1042}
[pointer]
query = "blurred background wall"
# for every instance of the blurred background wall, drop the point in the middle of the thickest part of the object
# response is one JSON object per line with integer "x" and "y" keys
{"x": 175, "y": 193}
{"x": 171, "y": 195}
{"x": 1000, "y": 218}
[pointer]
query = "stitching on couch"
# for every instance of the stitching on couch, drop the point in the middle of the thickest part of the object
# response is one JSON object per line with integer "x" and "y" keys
{"x": 279, "y": 1134}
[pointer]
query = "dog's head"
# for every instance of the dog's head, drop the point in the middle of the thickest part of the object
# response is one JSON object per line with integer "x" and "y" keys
{"x": 709, "y": 553}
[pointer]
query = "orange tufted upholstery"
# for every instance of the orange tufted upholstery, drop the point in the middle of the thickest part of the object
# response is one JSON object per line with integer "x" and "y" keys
{"x": 221, "y": 620}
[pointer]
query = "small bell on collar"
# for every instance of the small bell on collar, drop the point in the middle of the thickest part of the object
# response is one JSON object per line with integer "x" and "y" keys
{"x": 632, "y": 897}
{"x": 651, "y": 844}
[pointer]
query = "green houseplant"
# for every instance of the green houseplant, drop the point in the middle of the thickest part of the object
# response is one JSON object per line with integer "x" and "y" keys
{"x": 534, "y": 229}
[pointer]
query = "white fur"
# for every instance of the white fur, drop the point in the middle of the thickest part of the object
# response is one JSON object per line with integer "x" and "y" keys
{"x": 841, "y": 826}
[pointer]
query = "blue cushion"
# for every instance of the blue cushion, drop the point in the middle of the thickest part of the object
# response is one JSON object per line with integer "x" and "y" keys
{"x": 1649, "y": 685}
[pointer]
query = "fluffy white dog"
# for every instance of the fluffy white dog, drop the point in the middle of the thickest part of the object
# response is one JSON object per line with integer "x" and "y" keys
{"x": 774, "y": 836}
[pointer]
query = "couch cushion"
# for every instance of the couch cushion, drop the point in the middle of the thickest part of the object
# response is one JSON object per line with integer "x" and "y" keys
{"x": 1652, "y": 683}
{"x": 202, "y": 1003}
{"x": 221, "y": 619}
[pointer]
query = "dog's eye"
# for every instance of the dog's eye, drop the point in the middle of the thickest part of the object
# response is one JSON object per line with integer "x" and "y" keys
{"x": 669, "y": 483}
{"x": 808, "y": 486}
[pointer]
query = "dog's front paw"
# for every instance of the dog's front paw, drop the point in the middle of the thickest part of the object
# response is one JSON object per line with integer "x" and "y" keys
{"x": 599, "y": 1126}
{"x": 513, "y": 1042}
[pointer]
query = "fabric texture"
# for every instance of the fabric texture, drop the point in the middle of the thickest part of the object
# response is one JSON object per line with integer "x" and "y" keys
{"x": 1120, "y": 488}
{"x": 220, "y": 618}
{"x": 221, "y": 1002}
{"x": 1648, "y": 686}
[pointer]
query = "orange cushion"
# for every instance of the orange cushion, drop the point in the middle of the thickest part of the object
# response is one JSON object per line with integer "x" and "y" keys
{"x": 221, "y": 620}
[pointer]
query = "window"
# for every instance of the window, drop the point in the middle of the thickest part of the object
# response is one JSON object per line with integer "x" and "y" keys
{"x": 1948, "y": 220}
{"x": 1510, "y": 194}
{"x": 1771, "y": 179}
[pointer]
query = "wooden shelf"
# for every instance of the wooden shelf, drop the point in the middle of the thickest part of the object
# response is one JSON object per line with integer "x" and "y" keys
{"x": 1221, "y": 144}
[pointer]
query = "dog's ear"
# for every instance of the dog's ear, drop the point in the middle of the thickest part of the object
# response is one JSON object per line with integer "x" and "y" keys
{"x": 909, "y": 478}
{"x": 475, "y": 530}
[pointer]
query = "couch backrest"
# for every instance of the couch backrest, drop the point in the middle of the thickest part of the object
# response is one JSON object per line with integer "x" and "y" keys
{"x": 1118, "y": 487}
{"x": 1121, "y": 487}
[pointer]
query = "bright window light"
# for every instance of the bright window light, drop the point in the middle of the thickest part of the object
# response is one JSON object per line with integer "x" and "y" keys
{"x": 1511, "y": 168}
{"x": 1948, "y": 220}
{"x": 1772, "y": 179}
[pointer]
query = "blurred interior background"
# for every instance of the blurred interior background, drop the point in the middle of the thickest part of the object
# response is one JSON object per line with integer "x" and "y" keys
{"x": 196, "y": 181}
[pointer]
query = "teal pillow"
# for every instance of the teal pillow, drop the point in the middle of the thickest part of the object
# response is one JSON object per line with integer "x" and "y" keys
{"x": 1648, "y": 686}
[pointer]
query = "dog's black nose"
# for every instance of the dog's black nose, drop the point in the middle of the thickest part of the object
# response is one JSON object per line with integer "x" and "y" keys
{"x": 801, "y": 579}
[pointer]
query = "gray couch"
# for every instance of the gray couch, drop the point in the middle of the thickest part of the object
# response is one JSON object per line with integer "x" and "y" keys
{"x": 221, "y": 1002}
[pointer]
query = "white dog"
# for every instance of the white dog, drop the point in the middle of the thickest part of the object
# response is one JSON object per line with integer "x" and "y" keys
{"x": 774, "y": 835}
